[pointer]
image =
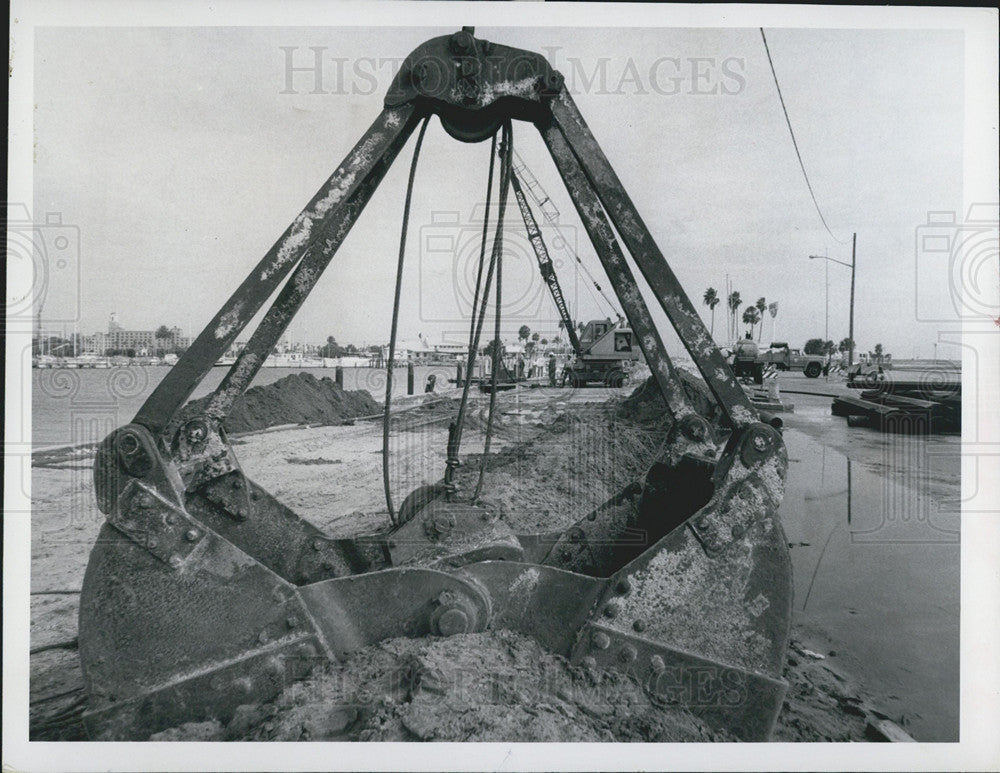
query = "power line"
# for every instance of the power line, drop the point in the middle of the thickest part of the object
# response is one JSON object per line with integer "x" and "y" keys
{"x": 794, "y": 143}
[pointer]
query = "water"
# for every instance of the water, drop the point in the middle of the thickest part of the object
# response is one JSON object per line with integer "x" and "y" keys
{"x": 70, "y": 407}
{"x": 879, "y": 573}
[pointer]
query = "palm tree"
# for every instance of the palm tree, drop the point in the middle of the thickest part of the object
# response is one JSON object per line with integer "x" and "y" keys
{"x": 734, "y": 302}
{"x": 751, "y": 317}
{"x": 162, "y": 336}
{"x": 761, "y": 306}
{"x": 773, "y": 309}
{"x": 711, "y": 299}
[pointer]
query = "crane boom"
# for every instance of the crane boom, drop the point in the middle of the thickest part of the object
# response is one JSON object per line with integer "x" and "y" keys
{"x": 545, "y": 263}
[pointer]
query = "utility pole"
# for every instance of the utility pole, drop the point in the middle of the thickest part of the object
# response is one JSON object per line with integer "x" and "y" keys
{"x": 826, "y": 318}
{"x": 851, "y": 265}
{"x": 850, "y": 334}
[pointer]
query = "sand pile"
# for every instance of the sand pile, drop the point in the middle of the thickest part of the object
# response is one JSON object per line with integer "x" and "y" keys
{"x": 645, "y": 405}
{"x": 300, "y": 398}
{"x": 494, "y": 686}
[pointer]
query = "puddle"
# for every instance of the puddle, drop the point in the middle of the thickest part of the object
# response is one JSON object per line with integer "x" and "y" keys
{"x": 879, "y": 573}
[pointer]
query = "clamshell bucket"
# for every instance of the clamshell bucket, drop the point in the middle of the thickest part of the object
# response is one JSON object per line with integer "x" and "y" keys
{"x": 204, "y": 592}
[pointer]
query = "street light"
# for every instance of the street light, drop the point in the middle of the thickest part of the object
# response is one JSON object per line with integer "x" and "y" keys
{"x": 851, "y": 265}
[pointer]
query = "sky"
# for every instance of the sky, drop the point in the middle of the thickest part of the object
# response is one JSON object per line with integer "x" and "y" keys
{"x": 179, "y": 155}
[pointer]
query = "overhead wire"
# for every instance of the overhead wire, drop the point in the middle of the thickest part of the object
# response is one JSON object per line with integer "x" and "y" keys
{"x": 795, "y": 143}
{"x": 395, "y": 324}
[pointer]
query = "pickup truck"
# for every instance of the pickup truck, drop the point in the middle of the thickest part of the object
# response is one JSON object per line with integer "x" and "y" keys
{"x": 783, "y": 358}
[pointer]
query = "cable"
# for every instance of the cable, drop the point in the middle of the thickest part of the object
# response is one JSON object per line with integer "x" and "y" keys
{"x": 455, "y": 430}
{"x": 794, "y": 143}
{"x": 482, "y": 244}
{"x": 475, "y": 329}
{"x": 506, "y": 149}
{"x": 395, "y": 323}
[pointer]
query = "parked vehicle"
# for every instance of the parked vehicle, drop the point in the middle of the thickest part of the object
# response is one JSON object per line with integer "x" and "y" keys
{"x": 784, "y": 358}
{"x": 747, "y": 362}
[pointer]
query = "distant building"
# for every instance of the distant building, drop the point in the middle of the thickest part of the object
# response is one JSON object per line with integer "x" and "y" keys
{"x": 142, "y": 342}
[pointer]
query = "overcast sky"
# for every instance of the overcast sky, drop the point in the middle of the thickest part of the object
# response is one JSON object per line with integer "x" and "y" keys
{"x": 180, "y": 160}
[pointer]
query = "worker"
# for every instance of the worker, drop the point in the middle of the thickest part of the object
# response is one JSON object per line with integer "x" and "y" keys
{"x": 431, "y": 381}
{"x": 552, "y": 370}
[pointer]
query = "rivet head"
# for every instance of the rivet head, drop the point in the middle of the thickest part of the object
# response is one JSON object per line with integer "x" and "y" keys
{"x": 600, "y": 640}
{"x": 623, "y": 586}
{"x": 176, "y": 562}
{"x": 589, "y": 663}
{"x": 191, "y": 535}
{"x": 611, "y": 609}
{"x": 262, "y": 638}
{"x": 292, "y": 621}
{"x": 453, "y": 621}
{"x": 656, "y": 663}
{"x": 760, "y": 442}
{"x": 317, "y": 544}
{"x": 196, "y": 431}
{"x": 702, "y": 522}
{"x": 237, "y": 483}
{"x": 639, "y": 625}
{"x": 152, "y": 542}
{"x": 737, "y": 531}
{"x": 627, "y": 654}
{"x": 128, "y": 443}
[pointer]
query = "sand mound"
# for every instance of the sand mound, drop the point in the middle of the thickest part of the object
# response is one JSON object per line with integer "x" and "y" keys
{"x": 300, "y": 398}
{"x": 646, "y": 406}
{"x": 494, "y": 686}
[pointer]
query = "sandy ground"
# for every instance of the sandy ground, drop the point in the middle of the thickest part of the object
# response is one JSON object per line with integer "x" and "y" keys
{"x": 332, "y": 476}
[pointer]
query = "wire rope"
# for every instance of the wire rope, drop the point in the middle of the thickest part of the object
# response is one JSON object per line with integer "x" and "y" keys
{"x": 390, "y": 363}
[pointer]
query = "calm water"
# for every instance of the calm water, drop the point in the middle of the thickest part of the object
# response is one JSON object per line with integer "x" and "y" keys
{"x": 880, "y": 573}
{"x": 83, "y": 406}
{"x": 879, "y": 568}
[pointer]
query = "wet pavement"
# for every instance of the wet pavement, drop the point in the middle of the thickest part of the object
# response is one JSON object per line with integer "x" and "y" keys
{"x": 873, "y": 521}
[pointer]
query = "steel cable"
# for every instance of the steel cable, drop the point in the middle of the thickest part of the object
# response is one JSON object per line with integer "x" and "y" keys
{"x": 455, "y": 431}
{"x": 506, "y": 150}
{"x": 395, "y": 322}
